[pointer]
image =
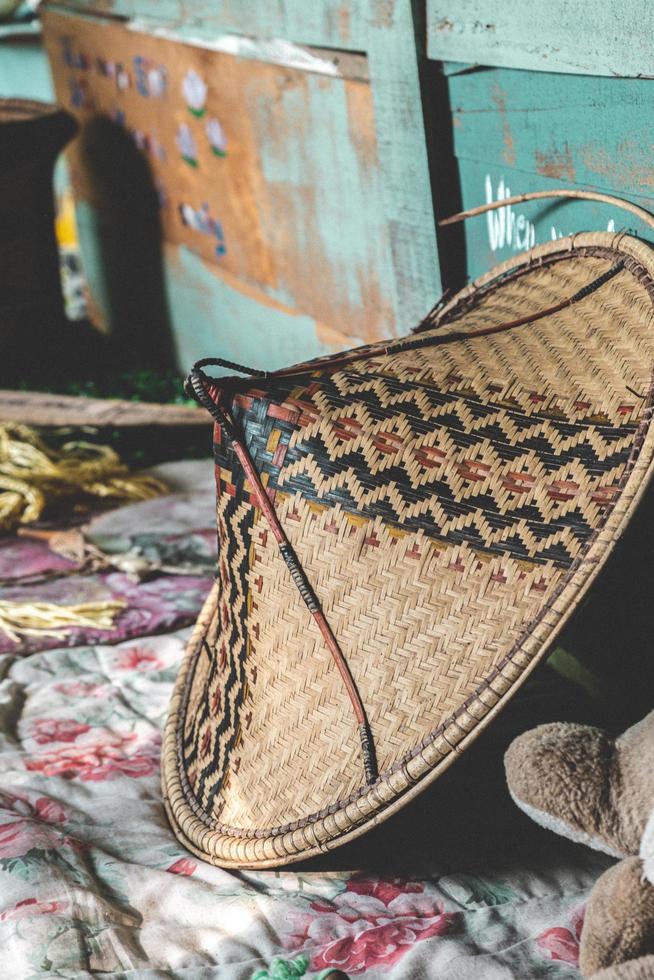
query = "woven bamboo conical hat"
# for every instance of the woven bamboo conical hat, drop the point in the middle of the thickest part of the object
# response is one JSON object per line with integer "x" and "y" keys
{"x": 434, "y": 510}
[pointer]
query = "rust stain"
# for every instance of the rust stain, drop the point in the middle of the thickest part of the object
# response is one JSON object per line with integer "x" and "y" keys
{"x": 96, "y": 314}
{"x": 384, "y": 12}
{"x": 344, "y": 22}
{"x": 617, "y": 167}
{"x": 499, "y": 98}
{"x": 333, "y": 338}
{"x": 361, "y": 124}
{"x": 555, "y": 163}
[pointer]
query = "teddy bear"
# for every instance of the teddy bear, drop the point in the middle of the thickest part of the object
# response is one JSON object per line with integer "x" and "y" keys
{"x": 598, "y": 790}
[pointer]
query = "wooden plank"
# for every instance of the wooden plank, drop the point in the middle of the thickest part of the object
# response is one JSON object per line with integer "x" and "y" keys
{"x": 517, "y": 131}
{"x": 577, "y": 129}
{"x": 332, "y": 23}
{"x": 611, "y": 38}
{"x": 217, "y": 315}
{"x": 41, "y": 408}
{"x": 407, "y": 201}
{"x": 296, "y": 197}
{"x": 493, "y": 237}
{"x": 346, "y": 162}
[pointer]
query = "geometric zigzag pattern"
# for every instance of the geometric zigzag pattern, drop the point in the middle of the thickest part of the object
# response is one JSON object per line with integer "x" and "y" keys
{"x": 380, "y": 447}
{"x": 213, "y": 724}
{"x": 438, "y": 499}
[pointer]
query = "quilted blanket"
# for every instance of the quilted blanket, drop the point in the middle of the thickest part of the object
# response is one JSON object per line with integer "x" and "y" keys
{"x": 93, "y": 882}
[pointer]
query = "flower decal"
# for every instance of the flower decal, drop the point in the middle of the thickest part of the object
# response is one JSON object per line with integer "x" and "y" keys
{"x": 373, "y": 923}
{"x": 216, "y": 136}
{"x": 157, "y": 81}
{"x": 187, "y": 145}
{"x": 194, "y": 89}
{"x": 32, "y": 906}
{"x": 83, "y": 689}
{"x": 562, "y": 943}
{"x": 106, "y": 755}
{"x": 25, "y": 826}
{"x": 138, "y": 658}
{"x": 183, "y": 866}
{"x": 57, "y": 730}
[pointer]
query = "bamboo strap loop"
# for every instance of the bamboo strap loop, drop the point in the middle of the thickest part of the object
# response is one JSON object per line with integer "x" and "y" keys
{"x": 617, "y": 202}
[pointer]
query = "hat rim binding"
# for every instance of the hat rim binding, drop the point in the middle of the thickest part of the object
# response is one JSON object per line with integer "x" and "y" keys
{"x": 317, "y": 834}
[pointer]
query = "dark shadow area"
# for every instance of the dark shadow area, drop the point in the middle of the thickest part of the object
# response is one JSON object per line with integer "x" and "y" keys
{"x": 443, "y": 168}
{"x": 31, "y": 308}
{"x": 612, "y": 633}
{"x": 466, "y": 819}
{"x": 130, "y": 247}
{"x": 40, "y": 348}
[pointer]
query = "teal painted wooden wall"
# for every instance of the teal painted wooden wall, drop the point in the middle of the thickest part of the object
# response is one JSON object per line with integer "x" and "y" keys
{"x": 611, "y": 37}
{"x": 367, "y": 263}
{"x": 518, "y": 131}
{"x": 472, "y": 101}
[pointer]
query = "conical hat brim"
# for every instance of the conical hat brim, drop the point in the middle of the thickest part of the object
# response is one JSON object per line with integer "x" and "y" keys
{"x": 466, "y": 498}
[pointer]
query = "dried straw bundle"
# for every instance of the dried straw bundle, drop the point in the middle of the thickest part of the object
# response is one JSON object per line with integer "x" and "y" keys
{"x": 33, "y": 475}
{"x": 19, "y": 619}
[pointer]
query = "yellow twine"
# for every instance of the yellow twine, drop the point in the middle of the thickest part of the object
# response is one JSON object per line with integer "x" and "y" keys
{"x": 33, "y": 475}
{"x": 49, "y": 619}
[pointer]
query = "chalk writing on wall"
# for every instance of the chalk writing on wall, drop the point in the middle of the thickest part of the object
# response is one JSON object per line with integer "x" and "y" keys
{"x": 508, "y": 228}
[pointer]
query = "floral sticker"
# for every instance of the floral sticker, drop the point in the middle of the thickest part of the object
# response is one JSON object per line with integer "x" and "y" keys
{"x": 162, "y": 195}
{"x": 80, "y": 98}
{"x": 151, "y": 79}
{"x": 146, "y": 142}
{"x": 200, "y": 219}
{"x": 73, "y": 58}
{"x": 194, "y": 89}
{"x": 216, "y": 136}
{"x": 114, "y": 71}
{"x": 187, "y": 145}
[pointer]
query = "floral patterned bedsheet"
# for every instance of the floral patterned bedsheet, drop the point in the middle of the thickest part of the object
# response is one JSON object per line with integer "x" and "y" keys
{"x": 93, "y": 882}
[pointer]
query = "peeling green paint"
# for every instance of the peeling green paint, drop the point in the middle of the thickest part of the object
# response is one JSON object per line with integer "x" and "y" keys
{"x": 320, "y": 183}
{"x": 579, "y": 129}
{"x": 24, "y": 70}
{"x": 366, "y": 219}
{"x": 561, "y": 131}
{"x": 213, "y": 319}
{"x": 90, "y": 234}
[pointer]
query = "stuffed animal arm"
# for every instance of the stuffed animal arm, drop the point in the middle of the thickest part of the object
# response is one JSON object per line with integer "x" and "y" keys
{"x": 597, "y": 790}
